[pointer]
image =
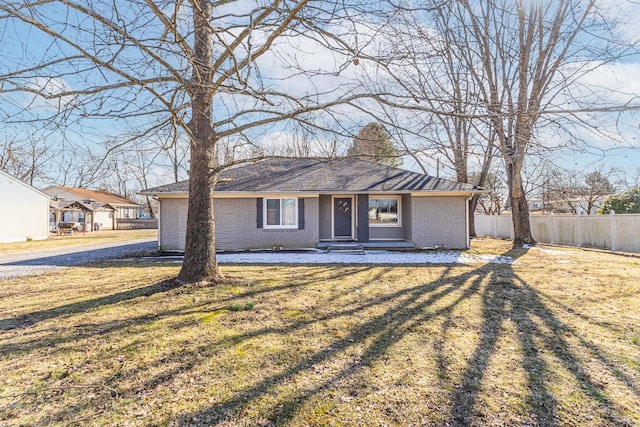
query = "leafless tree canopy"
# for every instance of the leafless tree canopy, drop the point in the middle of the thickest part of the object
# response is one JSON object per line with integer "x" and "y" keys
{"x": 577, "y": 192}
{"x": 155, "y": 77}
{"x": 207, "y": 72}
{"x": 514, "y": 75}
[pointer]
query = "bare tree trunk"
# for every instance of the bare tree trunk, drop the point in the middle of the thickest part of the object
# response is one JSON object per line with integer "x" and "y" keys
{"x": 152, "y": 214}
{"x": 519, "y": 207}
{"x": 473, "y": 204}
{"x": 200, "y": 247}
{"x": 482, "y": 179}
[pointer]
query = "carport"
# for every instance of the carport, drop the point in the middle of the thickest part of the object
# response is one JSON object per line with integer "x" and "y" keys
{"x": 76, "y": 214}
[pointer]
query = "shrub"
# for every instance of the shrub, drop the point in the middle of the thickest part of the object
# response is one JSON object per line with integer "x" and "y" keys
{"x": 627, "y": 202}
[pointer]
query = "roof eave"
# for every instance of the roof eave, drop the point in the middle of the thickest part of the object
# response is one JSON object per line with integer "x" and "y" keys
{"x": 435, "y": 193}
{"x": 163, "y": 193}
{"x": 426, "y": 193}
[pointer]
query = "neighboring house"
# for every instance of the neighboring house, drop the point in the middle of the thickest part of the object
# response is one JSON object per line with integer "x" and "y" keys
{"x": 107, "y": 207}
{"x": 24, "y": 211}
{"x": 85, "y": 215}
{"x": 535, "y": 205}
{"x": 579, "y": 205}
{"x": 304, "y": 203}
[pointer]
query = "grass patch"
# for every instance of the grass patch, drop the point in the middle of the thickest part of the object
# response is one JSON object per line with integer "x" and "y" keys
{"x": 550, "y": 340}
{"x": 77, "y": 239}
{"x": 240, "y": 306}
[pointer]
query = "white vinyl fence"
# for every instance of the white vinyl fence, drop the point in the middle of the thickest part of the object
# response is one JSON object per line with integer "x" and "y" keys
{"x": 613, "y": 232}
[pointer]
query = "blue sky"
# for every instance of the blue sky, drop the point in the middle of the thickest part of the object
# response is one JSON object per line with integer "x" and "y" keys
{"x": 336, "y": 73}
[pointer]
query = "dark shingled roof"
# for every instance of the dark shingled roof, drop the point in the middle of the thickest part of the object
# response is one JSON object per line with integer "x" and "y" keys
{"x": 322, "y": 176}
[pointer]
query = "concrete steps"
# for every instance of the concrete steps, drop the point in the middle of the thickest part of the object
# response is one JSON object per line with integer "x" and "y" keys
{"x": 346, "y": 248}
{"x": 372, "y": 245}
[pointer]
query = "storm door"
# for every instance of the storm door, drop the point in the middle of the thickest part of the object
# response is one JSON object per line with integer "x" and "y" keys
{"x": 343, "y": 218}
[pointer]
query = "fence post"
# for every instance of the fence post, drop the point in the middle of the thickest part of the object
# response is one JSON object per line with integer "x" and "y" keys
{"x": 495, "y": 226}
{"x": 552, "y": 229}
{"x": 579, "y": 230}
{"x": 612, "y": 216}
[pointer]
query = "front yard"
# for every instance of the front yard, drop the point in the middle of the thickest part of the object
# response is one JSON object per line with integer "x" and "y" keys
{"x": 553, "y": 339}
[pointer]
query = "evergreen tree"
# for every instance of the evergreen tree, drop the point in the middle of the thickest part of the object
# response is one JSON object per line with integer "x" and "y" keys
{"x": 373, "y": 144}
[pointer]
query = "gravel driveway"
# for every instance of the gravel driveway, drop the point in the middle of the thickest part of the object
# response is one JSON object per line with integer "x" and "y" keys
{"x": 43, "y": 261}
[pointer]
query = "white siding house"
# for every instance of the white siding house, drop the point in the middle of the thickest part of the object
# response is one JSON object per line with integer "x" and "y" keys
{"x": 24, "y": 211}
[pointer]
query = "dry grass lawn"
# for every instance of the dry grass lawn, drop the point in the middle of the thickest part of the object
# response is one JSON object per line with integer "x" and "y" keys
{"x": 553, "y": 339}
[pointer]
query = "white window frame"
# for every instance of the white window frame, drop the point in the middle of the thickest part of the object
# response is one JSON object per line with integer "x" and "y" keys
{"x": 399, "y": 201}
{"x": 281, "y": 227}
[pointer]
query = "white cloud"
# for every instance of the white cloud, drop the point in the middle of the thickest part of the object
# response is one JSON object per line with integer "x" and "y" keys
{"x": 326, "y": 70}
{"x": 619, "y": 83}
{"x": 624, "y": 14}
{"x": 50, "y": 96}
{"x": 51, "y": 86}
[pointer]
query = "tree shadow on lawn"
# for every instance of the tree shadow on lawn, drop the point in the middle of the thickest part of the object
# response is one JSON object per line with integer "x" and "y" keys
{"x": 509, "y": 298}
{"x": 30, "y": 319}
{"x": 505, "y": 296}
{"x": 109, "y": 330}
{"x": 27, "y": 320}
{"x": 409, "y": 308}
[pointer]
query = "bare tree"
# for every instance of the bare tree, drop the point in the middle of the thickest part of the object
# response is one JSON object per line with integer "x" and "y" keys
{"x": 214, "y": 70}
{"x": 26, "y": 157}
{"x": 517, "y": 72}
{"x": 494, "y": 202}
{"x": 597, "y": 187}
{"x": 630, "y": 180}
{"x": 580, "y": 192}
{"x": 420, "y": 58}
{"x": 175, "y": 149}
{"x": 527, "y": 59}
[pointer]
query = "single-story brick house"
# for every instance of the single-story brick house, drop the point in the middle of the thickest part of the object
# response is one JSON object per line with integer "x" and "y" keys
{"x": 296, "y": 203}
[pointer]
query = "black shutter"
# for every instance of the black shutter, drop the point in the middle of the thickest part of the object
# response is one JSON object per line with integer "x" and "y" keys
{"x": 301, "y": 214}
{"x": 363, "y": 218}
{"x": 259, "y": 211}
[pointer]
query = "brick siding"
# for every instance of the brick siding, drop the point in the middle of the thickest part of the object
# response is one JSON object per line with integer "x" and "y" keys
{"x": 172, "y": 224}
{"x": 236, "y": 226}
{"x": 433, "y": 221}
{"x": 439, "y": 221}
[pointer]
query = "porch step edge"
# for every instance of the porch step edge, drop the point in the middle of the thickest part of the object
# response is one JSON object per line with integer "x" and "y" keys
{"x": 372, "y": 245}
{"x": 346, "y": 249}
